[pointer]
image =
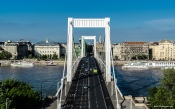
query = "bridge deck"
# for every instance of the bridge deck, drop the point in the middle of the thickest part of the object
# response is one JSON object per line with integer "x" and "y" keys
{"x": 89, "y": 90}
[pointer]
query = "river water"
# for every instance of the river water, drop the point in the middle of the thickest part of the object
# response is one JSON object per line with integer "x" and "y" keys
{"x": 136, "y": 83}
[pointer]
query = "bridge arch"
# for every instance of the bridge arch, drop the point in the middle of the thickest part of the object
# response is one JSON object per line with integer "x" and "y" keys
{"x": 89, "y": 23}
{"x": 82, "y": 42}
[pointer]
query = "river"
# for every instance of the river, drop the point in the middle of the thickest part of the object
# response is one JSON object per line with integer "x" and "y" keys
{"x": 136, "y": 83}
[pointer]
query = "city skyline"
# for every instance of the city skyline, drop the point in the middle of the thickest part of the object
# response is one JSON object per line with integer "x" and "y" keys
{"x": 130, "y": 20}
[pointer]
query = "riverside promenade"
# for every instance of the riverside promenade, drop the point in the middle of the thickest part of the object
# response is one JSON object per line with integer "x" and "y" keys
{"x": 55, "y": 62}
{"x": 41, "y": 62}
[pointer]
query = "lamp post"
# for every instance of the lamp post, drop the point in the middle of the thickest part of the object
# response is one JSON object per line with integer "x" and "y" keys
{"x": 6, "y": 103}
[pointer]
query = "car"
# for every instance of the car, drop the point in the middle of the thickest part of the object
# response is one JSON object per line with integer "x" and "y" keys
{"x": 85, "y": 86}
{"x": 90, "y": 69}
{"x": 86, "y": 69}
{"x": 81, "y": 74}
{"x": 95, "y": 71}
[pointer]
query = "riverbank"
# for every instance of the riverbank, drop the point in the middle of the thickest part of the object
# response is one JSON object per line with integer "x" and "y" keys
{"x": 42, "y": 62}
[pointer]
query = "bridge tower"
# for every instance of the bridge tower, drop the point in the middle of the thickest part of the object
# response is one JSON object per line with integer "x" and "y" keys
{"x": 89, "y": 23}
{"x": 82, "y": 42}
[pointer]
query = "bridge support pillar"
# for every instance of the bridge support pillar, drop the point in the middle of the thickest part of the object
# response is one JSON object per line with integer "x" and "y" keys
{"x": 69, "y": 50}
{"x": 107, "y": 49}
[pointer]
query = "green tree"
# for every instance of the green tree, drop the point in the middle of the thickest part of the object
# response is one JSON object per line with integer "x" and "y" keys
{"x": 164, "y": 95}
{"x": 44, "y": 57}
{"x": 21, "y": 95}
{"x": 134, "y": 58}
{"x": 55, "y": 56}
{"x": 5, "y": 55}
{"x": 116, "y": 57}
{"x": 30, "y": 56}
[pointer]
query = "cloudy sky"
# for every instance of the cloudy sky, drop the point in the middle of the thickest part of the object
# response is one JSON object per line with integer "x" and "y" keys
{"x": 131, "y": 20}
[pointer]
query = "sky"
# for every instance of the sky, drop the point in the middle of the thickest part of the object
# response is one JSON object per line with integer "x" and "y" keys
{"x": 130, "y": 20}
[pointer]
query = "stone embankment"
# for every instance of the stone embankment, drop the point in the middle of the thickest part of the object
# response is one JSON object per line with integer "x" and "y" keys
{"x": 55, "y": 62}
{"x": 44, "y": 63}
{"x": 121, "y": 62}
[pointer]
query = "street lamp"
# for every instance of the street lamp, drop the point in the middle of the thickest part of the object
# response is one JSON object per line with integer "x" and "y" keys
{"x": 6, "y": 103}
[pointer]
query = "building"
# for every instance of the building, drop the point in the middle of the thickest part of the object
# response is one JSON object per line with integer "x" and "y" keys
{"x": 152, "y": 50}
{"x": 18, "y": 49}
{"x": 131, "y": 50}
{"x": 1, "y": 46}
{"x": 100, "y": 47}
{"x": 48, "y": 48}
{"x": 63, "y": 49}
{"x": 12, "y": 47}
{"x": 164, "y": 50}
{"x": 115, "y": 49}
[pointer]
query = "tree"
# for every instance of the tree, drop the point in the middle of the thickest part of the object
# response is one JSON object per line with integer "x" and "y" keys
{"x": 164, "y": 95}
{"x": 133, "y": 58}
{"x": 116, "y": 57}
{"x": 30, "y": 56}
{"x": 55, "y": 56}
{"x": 20, "y": 94}
{"x": 44, "y": 57}
{"x": 5, "y": 55}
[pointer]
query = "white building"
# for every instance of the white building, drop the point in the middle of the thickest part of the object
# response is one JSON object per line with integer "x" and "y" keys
{"x": 47, "y": 48}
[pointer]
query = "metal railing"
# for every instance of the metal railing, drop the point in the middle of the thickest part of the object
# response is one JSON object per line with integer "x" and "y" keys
{"x": 60, "y": 89}
{"x": 75, "y": 65}
{"x": 102, "y": 67}
{"x": 115, "y": 85}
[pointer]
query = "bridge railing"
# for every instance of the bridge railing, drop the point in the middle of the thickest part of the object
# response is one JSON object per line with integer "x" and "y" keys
{"x": 101, "y": 64}
{"x": 61, "y": 86}
{"x": 75, "y": 65}
{"x": 113, "y": 74}
{"x": 114, "y": 77}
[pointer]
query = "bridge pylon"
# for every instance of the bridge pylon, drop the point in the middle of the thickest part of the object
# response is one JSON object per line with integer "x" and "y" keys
{"x": 82, "y": 42}
{"x": 89, "y": 23}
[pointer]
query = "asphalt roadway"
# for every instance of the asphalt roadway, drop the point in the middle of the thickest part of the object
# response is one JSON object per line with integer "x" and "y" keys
{"x": 88, "y": 89}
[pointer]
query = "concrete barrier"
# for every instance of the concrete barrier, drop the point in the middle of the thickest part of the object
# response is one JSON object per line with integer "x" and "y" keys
{"x": 137, "y": 98}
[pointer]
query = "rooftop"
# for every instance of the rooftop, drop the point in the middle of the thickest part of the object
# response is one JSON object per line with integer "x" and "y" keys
{"x": 135, "y": 43}
{"x": 165, "y": 40}
{"x": 47, "y": 43}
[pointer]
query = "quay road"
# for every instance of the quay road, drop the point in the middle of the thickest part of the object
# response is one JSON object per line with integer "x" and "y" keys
{"x": 88, "y": 89}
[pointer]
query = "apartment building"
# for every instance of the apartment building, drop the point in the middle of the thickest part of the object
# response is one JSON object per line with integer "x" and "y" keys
{"x": 164, "y": 50}
{"x": 131, "y": 50}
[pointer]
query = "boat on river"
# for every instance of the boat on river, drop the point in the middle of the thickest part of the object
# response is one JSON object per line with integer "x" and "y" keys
{"x": 147, "y": 65}
{"x": 22, "y": 64}
{"x": 50, "y": 63}
{"x": 135, "y": 66}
